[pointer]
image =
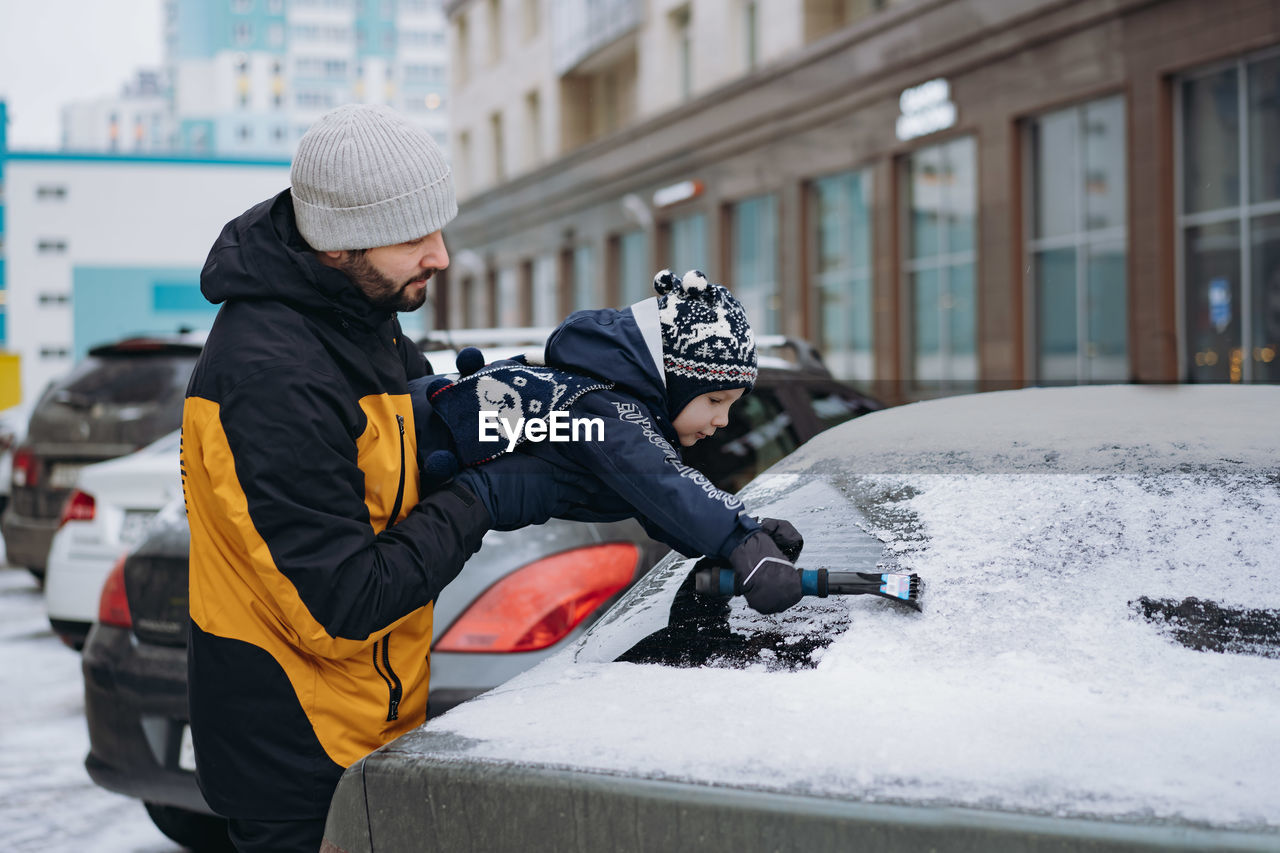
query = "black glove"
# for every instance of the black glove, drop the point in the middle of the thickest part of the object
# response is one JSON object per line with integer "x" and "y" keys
{"x": 784, "y": 535}
{"x": 768, "y": 579}
{"x": 519, "y": 489}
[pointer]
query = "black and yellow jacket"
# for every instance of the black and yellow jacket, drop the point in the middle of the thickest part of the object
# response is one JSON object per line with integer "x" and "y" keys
{"x": 314, "y": 560}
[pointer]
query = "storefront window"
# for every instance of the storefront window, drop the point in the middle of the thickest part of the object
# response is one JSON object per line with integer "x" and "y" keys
{"x": 754, "y": 275}
{"x": 687, "y": 244}
{"x": 585, "y": 289}
{"x": 1229, "y": 220}
{"x": 545, "y": 309}
{"x": 633, "y": 267}
{"x": 842, "y": 272}
{"x": 941, "y": 258}
{"x": 1077, "y": 250}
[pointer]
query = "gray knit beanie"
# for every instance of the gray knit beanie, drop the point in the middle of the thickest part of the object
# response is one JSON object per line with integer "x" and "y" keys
{"x": 364, "y": 177}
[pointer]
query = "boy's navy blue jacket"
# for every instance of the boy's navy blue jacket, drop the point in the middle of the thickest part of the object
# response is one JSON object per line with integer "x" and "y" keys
{"x": 636, "y": 469}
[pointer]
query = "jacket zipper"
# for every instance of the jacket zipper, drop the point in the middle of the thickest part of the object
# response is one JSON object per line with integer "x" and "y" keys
{"x": 388, "y": 674}
{"x": 395, "y": 507}
{"x": 394, "y": 686}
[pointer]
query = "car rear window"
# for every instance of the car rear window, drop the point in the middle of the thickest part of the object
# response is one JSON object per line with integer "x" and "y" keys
{"x": 124, "y": 380}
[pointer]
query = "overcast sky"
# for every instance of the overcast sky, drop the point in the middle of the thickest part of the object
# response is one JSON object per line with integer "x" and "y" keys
{"x": 55, "y": 51}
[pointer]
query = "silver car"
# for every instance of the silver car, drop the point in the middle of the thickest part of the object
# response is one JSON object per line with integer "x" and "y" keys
{"x": 1093, "y": 664}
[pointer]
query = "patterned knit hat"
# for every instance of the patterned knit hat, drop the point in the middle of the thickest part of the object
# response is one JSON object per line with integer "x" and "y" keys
{"x": 707, "y": 343}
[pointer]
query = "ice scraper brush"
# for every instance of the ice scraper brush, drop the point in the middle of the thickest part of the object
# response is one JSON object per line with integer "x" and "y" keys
{"x": 895, "y": 586}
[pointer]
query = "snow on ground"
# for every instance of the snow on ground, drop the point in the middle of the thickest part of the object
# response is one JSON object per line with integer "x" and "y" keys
{"x": 47, "y": 802}
{"x": 1028, "y": 683}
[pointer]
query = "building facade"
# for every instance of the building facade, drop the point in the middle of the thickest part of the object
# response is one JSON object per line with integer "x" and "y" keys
{"x": 98, "y": 247}
{"x": 135, "y": 121}
{"x": 944, "y": 196}
{"x": 245, "y": 78}
{"x": 249, "y": 76}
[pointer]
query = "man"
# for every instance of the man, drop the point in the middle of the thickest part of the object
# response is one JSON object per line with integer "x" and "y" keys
{"x": 314, "y": 559}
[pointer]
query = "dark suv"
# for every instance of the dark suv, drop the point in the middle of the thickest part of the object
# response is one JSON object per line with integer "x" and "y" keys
{"x": 121, "y": 397}
{"x": 524, "y": 596}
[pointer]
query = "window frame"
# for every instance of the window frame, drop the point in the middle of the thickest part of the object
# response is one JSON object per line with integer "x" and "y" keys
{"x": 1242, "y": 214}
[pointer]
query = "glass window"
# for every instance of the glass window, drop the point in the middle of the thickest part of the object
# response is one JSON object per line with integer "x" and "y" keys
{"x": 1266, "y": 298}
{"x": 1211, "y": 146}
{"x": 546, "y": 312}
{"x": 1077, "y": 254}
{"x": 1264, "y": 129}
{"x": 1230, "y": 220}
{"x": 585, "y": 293}
{"x": 755, "y": 261}
{"x": 941, "y": 256}
{"x": 842, "y": 273}
{"x": 688, "y": 243}
{"x": 1212, "y": 269}
{"x": 508, "y": 297}
{"x": 636, "y": 279}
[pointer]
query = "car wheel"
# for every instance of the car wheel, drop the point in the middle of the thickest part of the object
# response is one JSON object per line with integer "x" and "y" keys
{"x": 201, "y": 833}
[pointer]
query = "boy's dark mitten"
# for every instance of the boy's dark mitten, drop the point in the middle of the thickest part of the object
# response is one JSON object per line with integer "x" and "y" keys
{"x": 768, "y": 579}
{"x": 518, "y": 489}
{"x": 784, "y": 535}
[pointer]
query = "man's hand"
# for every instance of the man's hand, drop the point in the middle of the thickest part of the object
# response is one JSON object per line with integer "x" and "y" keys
{"x": 519, "y": 489}
{"x": 769, "y": 580}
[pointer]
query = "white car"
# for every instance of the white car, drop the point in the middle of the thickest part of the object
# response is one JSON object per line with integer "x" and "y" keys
{"x": 13, "y": 429}
{"x": 106, "y": 513}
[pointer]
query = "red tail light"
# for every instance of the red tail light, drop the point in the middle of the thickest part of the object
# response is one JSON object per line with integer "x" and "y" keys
{"x": 78, "y": 506}
{"x": 113, "y": 606}
{"x": 538, "y": 605}
{"x": 26, "y": 468}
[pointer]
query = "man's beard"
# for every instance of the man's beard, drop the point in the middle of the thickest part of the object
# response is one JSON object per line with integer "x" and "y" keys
{"x": 384, "y": 293}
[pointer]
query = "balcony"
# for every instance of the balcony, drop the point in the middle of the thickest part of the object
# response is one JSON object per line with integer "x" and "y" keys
{"x": 583, "y": 29}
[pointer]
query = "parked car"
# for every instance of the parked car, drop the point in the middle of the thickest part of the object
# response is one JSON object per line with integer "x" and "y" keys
{"x": 523, "y": 597}
{"x": 13, "y": 428}
{"x": 121, "y": 397}
{"x": 1093, "y": 667}
{"x": 106, "y": 513}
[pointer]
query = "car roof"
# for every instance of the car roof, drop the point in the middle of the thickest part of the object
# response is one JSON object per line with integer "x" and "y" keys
{"x": 1030, "y": 682}
{"x": 183, "y": 342}
{"x": 440, "y": 346}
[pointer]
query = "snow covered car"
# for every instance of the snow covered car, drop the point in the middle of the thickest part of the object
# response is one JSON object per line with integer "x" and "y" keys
{"x": 106, "y": 513}
{"x": 1095, "y": 664}
{"x": 525, "y": 595}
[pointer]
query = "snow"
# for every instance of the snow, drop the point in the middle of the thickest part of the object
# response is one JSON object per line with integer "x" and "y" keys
{"x": 47, "y": 802}
{"x": 1027, "y": 683}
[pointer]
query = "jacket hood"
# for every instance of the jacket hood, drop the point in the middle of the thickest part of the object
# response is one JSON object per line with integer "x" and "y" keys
{"x": 620, "y": 345}
{"x": 261, "y": 255}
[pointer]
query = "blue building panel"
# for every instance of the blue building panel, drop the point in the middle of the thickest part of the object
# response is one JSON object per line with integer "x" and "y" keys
{"x": 114, "y": 302}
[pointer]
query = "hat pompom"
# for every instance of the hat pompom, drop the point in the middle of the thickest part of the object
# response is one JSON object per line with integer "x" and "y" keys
{"x": 664, "y": 282}
{"x": 437, "y": 384}
{"x": 469, "y": 360}
{"x": 695, "y": 285}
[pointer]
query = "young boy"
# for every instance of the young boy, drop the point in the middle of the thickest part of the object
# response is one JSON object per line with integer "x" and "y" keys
{"x": 652, "y": 377}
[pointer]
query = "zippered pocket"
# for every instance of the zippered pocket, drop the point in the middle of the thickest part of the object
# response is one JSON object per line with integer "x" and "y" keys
{"x": 395, "y": 507}
{"x": 382, "y": 649}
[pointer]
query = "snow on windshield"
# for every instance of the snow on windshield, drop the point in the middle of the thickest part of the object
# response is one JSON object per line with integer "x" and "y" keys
{"x": 1028, "y": 682}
